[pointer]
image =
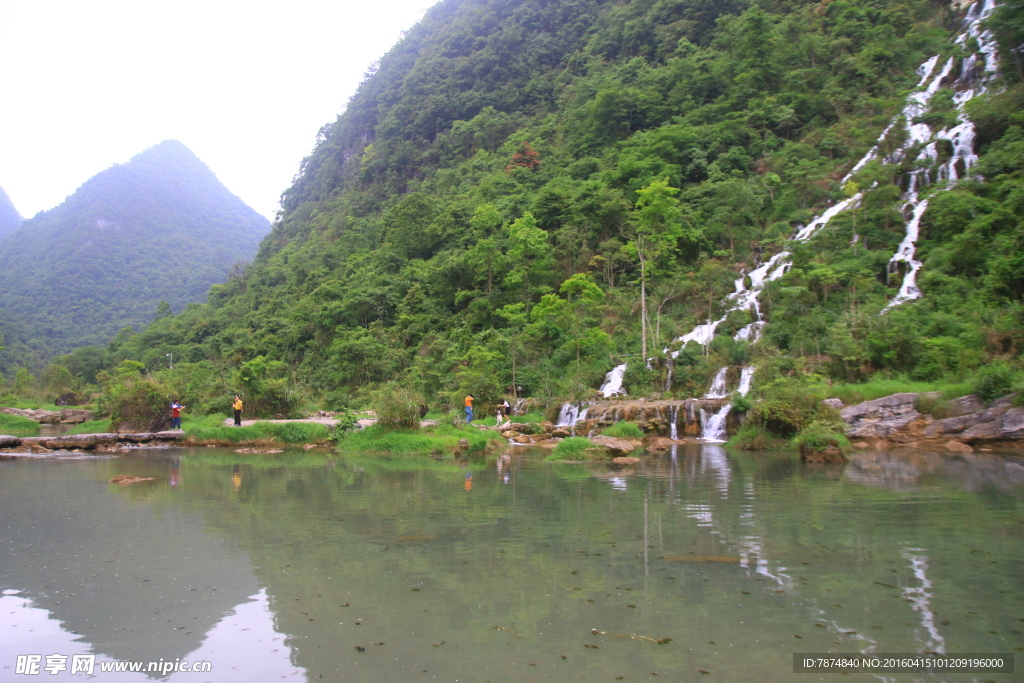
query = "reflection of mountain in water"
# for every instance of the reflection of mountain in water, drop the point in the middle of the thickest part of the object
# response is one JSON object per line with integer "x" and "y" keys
{"x": 906, "y": 470}
{"x": 134, "y": 584}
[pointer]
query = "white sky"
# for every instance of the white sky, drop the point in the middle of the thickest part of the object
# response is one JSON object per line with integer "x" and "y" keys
{"x": 245, "y": 84}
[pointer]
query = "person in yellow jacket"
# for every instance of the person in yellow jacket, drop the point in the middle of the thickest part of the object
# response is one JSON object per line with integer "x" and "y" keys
{"x": 237, "y": 405}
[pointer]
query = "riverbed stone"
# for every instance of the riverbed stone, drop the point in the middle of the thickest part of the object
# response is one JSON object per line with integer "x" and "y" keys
{"x": 833, "y": 403}
{"x": 659, "y": 443}
{"x": 957, "y": 446}
{"x": 613, "y": 444}
{"x": 9, "y": 441}
{"x": 965, "y": 405}
{"x": 625, "y": 460}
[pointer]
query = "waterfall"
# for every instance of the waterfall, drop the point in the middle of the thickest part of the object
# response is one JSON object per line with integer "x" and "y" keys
{"x": 713, "y": 428}
{"x": 974, "y": 77}
{"x": 673, "y": 431}
{"x": 571, "y": 413}
{"x": 612, "y": 385}
{"x": 717, "y": 389}
{"x": 970, "y": 83}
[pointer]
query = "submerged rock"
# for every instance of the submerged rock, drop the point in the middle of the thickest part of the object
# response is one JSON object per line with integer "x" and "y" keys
{"x": 613, "y": 444}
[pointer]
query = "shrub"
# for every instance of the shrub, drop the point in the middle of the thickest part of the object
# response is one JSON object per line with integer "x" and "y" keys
{"x": 397, "y": 407}
{"x": 751, "y": 437}
{"x": 820, "y": 436}
{"x": 138, "y": 404}
{"x": 573, "y": 448}
{"x": 624, "y": 430}
{"x": 995, "y": 379}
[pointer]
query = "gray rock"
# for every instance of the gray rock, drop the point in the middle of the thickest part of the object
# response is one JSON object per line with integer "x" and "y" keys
{"x": 880, "y": 417}
{"x": 833, "y": 403}
{"x": 1012, "y": 423}
{"x": 169, "y": 435}
{"x": 965, "y": 405}
{"x": 9, "y": 441}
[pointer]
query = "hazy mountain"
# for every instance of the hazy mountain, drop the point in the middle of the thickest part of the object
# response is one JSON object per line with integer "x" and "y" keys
{"x": 10, "y": 219}
{"x": 158, "y": 228}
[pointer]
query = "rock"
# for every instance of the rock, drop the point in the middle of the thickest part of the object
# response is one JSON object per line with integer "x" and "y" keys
{"x": 833, "y": 403}
{"x": 125, "y": 479}
{"x": 659, "y": 443}
{"x": 258, "y": 450}
{"x": 561, "y": 432}
{"x": 169, "y": 435}
{"x": 74, "y": 416}
{"x": 1013, "y": 423}
{"x": 136, "y": 438}
{"x": 9, "y": 441}
{"x": 880, "y": 417}
{"x": 613, "y": 444}
{"x": 548, "y": 426}
{"x": 625, "y": 460}
{"x": 965, "y": 405}
{"x": 958, "y": 447}
{"x": 540, "y": 437}
{"x": 522, "y": 438}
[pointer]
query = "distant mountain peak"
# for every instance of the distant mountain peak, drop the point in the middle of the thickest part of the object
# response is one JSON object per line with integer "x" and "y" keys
{"x": 10, "y": 219}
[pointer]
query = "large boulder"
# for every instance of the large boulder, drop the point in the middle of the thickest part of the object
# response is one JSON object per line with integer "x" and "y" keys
{"x": 659, "y": 443}
{"x": 614, "y": 444}
{"x": 75, "y": 416}
{"x": 9, "y": 441}
{"x": 881, "y": 417}
{"x": 998, "y": 421}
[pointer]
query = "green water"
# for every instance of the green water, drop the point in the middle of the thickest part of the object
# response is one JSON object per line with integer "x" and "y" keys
{"x": 277, "y": 567}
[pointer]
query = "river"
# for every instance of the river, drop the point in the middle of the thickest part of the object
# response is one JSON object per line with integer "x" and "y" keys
{"x": 701, "y": 565}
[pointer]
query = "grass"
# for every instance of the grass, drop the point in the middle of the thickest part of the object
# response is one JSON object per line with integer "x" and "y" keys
{"x": 624, "y": 430}
{"x": 573, "y": 448}
{"x": 15, "y": 425}
{"x": 874, "y": 388}
{"x": 91, "y": 427}
{"x": 259, "y": 434}
{"x": 440, "y": 440}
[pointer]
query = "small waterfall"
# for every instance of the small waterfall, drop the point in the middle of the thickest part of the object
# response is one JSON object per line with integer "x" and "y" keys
{"x": 519, "y": 406}
{"x": 673, "y": 432}
{"x": 713, "y": 428}
{"x": 571, "y": 413}
{"x": 717, "y": 389}
{"x": 612, "y": 385}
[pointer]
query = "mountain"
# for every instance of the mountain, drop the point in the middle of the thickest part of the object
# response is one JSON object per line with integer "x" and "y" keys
{"x": 158, "y": 228}
{"x": 523, "y": 193}
{"x": 10, "y": 219}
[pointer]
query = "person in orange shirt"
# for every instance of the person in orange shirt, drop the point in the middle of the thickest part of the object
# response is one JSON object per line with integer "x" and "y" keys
{"x": 469, "y": 408}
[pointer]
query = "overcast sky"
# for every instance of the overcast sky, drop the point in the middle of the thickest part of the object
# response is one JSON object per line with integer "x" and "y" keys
{"x": 245, "y": 84}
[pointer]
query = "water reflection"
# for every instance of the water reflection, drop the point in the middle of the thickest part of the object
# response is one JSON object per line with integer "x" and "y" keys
{"x": 307, "y": 558}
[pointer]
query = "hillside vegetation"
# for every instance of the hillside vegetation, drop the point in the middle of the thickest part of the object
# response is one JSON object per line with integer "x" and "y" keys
{"x": 10, "y": 219}
{"x": 517, "y": 180}
{"x": 160, "y": 228}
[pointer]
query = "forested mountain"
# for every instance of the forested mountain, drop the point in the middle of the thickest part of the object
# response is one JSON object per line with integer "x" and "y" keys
{"x": 10, "y": 219}
{"x": 517, "y": 181}
{"x": 158, "y": 228}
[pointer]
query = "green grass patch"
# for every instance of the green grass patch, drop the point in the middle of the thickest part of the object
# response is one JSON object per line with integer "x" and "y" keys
{"x": 260, "y": 434}
{"x": 440, "y": 440}
{"x": 624, "y": 430}
{"x": 195, "y": 422}
{"x": 91, "y": 427}
{"x": 850, "y": 394}
{"x": 573, "y": 448}
{"x": 15, "y": 425}
{"x": 23, "y": 404}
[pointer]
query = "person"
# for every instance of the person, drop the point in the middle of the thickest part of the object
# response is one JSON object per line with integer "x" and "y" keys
{"x": 505, "y": 410}
{"x": 469, "y": 408}
{"x": 237, "y": 405}
{"x": 176, "y": 414}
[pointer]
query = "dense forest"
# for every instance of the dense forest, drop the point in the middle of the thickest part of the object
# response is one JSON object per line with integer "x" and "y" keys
{"x": 160, "y": 228}
{"x": 525, "y": 193}
{"x": 10, "y": 219}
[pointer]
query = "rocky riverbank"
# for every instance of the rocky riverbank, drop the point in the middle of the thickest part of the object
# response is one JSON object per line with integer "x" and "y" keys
{"x": 52, "y": 417}
{"x": 99, "y": 443}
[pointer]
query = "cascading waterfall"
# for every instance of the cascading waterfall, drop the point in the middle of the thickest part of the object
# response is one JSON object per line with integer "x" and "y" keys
{"x": 673, "y": 431}
{"x": 612, "y": 385}
{"x": 973, "y": 80}
{"x": 717, "y": 389}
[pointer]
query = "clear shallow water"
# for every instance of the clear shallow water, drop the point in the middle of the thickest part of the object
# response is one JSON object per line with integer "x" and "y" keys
{"x": 278, "y": 567}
